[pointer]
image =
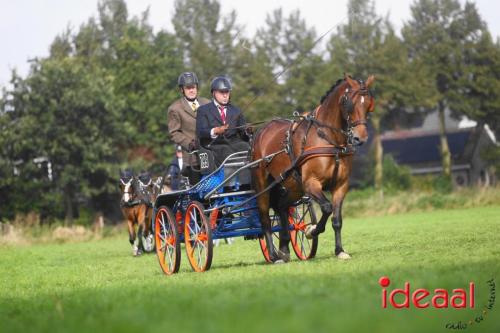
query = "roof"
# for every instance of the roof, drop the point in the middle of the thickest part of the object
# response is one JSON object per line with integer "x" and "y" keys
{"x": 419, "y": 147}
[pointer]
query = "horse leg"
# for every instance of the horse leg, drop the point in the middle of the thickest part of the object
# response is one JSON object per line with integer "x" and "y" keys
{"x": 140, "y": 230}
{"x": 131, "y": 234}
{"x": 148, "y": 227}
{"x": 284, "y": 250}
{"x": 338, "y": 199}
{"x": 315, "y": 190}
{"x": 265, "y": 220}
{"x": 263, "y": 204}
{"x": 131, "y": 231}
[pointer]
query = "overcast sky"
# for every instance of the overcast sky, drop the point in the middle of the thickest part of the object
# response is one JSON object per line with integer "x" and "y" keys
{"x": 29, "y": 26}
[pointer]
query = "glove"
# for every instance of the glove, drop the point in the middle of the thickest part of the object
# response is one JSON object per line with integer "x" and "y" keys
{"x": 220, "y": 130}
{"x": 192, "y": 146}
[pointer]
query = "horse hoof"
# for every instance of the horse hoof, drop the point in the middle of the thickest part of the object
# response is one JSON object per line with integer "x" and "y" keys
{"x": 279, "y": 261}
{"x": 309, "y": 229}
{"x": 343, "y": 256}
{"x": 285, "y": 257}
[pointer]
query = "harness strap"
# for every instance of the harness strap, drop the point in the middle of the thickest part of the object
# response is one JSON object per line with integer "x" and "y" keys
{"x": 136, "y": 202}
{"x": 131, "y": 203}
{"x": 308, "y": 154}
{"x": 333, "y": 180}
{"x": 318, "y": 151}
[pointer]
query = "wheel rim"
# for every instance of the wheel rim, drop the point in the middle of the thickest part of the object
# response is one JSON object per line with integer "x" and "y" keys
{"x": 167, "y": 242}
{"x": 198, "y": 238}
{"x": 299, "y": 217}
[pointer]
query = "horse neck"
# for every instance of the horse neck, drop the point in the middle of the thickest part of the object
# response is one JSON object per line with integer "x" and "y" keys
{"x": 329, "y": 112}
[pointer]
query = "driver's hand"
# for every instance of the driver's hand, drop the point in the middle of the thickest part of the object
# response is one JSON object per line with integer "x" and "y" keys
{"x": 220, "y": 130}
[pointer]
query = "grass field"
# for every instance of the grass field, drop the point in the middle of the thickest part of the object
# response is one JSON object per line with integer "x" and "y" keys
{"x": 98, "y": 286}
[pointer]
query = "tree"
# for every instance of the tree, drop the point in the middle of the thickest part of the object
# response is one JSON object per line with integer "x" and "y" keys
{"x": 366, "y": 45}
{"x": 63, "y": 114}
{"x": 206, "y": 38}
{"x": 255, "y": 90}
{"x": 480, "y": 84}
{"x": 298, "y": 68}
{"x": 438, "y": 33}
{"x": 101, "y": 93}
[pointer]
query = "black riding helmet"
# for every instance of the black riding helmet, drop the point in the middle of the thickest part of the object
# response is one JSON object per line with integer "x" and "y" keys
{"x": 220, "y": 83}
{"x": 187, "y": 79}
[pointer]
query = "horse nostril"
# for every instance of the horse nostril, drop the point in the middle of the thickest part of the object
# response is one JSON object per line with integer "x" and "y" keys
{"x": 357, "y": 141}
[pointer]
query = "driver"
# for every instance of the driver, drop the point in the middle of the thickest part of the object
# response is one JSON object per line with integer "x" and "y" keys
{"x": 219, "y": 124}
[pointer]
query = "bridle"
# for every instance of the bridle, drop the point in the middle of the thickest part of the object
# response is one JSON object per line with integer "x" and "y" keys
{"x": 128, "y": 192}
{"x": 144, "y": 193}
{"x": 346, "y": 102}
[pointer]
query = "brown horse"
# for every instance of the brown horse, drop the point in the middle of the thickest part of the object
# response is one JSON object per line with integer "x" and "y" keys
{"x": 136, "y": 208}
{"x": 317, "y": 155}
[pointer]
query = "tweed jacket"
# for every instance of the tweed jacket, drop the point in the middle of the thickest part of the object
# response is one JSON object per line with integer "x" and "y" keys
{"x": 182, "y": 125}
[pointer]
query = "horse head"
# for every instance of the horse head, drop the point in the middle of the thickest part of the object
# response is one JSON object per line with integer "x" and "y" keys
{"x": 356, "y": 102}
{"x": 145, "y": 186}
{"x": 127, "y": 185}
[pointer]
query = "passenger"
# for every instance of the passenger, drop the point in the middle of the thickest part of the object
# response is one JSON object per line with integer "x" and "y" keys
{"x": 219, "y": 124}
{"x": 181, "y": 118}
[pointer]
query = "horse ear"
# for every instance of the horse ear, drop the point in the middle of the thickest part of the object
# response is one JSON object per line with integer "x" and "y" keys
{"x": 371, "y": 107}
{"x": 353, "y": 83}
{"x": 370, "y": 80}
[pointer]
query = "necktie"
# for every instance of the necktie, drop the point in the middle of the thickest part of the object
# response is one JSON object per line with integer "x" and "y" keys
{"x": 222, "y": 114}
{"x": 193, "y": 106}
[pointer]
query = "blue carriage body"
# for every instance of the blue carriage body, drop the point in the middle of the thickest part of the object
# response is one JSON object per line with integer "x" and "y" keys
{"x": 221, "y": 192}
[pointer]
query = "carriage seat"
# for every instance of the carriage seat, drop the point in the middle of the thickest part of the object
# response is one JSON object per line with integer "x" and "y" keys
{"x": 243, "y": 178}
{"x": 230, "y": 165}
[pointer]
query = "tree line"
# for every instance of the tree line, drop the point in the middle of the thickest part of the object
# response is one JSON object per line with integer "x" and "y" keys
{"x": 98, "y": 101}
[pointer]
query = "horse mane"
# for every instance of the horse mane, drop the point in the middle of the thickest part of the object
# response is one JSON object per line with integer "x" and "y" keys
{"x": 332, "y": 88}
{"x": 363, "y": 89}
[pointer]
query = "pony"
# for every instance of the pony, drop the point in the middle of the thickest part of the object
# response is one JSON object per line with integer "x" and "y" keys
{"x": 137, "y": 209}
{"x": 312, "y": 154}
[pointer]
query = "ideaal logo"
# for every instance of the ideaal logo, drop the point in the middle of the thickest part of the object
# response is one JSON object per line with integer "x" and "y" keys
{"x": 458, "y": 298}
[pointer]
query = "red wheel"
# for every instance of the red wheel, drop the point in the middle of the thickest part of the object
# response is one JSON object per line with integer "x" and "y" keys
{"x": 168, "y": 248}
{"x": 299, "y": 217}
{"x": 262, "y": 241}
{"x": 198, "y": 237}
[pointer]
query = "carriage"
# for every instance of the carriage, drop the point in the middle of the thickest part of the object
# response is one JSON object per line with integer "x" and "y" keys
{"x": 222, "y": 205}
{"x": 294, "y": 161}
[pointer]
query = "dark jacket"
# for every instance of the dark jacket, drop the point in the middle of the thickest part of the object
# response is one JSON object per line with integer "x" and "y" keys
{"x": 208, "y": 117}
{"x": 174, "y": 174}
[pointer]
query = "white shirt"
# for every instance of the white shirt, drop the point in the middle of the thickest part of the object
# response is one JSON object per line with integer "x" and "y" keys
{"x": 179, "y": 161}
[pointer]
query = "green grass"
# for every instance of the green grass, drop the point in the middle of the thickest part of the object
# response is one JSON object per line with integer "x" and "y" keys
{"x": 98, "y": 286}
